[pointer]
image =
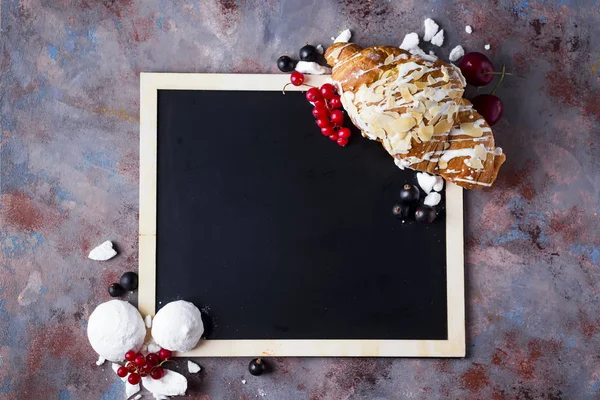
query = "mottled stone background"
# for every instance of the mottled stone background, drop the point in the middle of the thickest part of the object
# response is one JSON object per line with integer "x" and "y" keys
{"x": 69, "y": 74}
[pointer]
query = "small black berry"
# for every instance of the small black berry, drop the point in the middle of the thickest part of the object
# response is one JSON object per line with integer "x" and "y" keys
{"x": 409, "y": 194}
{"x": 425, "y": 214}
{"x": 308, "y": 53}
{"x": 286, "y": 64}
{"x": 129, "y": 281}
{"x": 116, "y": 290}
{"x": 256, "y": 367}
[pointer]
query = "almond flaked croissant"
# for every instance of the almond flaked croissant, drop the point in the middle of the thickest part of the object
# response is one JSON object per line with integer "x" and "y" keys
{"x": 414, "y": 107}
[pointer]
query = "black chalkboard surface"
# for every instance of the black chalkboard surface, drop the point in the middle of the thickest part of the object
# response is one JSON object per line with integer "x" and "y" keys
{"x": 277, "y": 233}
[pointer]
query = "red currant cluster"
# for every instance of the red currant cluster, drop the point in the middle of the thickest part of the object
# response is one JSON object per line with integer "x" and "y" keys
{"x": 138, "y": 366}
{"x": 326, "y": 111}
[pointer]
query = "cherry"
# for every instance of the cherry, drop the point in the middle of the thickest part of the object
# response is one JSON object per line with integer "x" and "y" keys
{"x": 140, "y": 361}
{"x": 489, "y": 106}
{"x": 320, "y": 112}
{"x": 134, "y": 378}
{"x": 477, "y": 69}
{"x": 342, "y": 141}
{"x": 328, "y": 131}
{"x": 165, "y": 354}
{"x": 323, "y": 122}
{"x": 337, "y": 117}
{"x": 335, "y": 102}
{"x": 152, "y": 359}
{"x": 130, "y": 355}
{"x": 344, "y": 133}
{"x": 333, "y": 137}
{"x": 157, "y": 373}
{"x": 297, "y": 78}
{"x": 320, "y": 103}
{"x": 313, "y": 94}
{"x": 130, "y": 367}
{"x": 328, "y": 91}
{"x": 122, "y": 372}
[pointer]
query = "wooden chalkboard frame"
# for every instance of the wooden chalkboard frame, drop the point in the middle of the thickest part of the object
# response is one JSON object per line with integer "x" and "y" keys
{"x": 454, "y": 346}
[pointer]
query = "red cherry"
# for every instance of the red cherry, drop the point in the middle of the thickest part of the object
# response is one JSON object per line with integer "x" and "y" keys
{"x": 323, "y": 122}
{"x": 342, "y": 141}
{"x": 320, "y": 103}
{"x": 146, "y": 369}
{"x": 476, "y": 68}
{"x": 328, "y": 91}
{"x": 313, "y": 94}
{"x": 157, "y": 373}
{"x": 122, "y": 372}
{"x": 320, "y": 112}
{"x": 328, "y": 131}
{"x": 140, "y": 361}
{"x": 134, "y": 378}
{"x": 337, "y": 117}
{"x": 333, "y": 137}
{"x": 130, "y": 355}
{"x": 489, "y": 106}
{"x": 335, "y": 102}
{"x": 152, "y": 359}
{"x": 344, "y": 133}
{"x": 297, "y": 78}
{"x": 130, "y": 367}
{"x": 165, "y": 354}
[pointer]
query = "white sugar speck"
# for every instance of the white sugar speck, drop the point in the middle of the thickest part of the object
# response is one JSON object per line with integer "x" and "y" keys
{"x": 487, "y": 47}
{"x": 468, "y": 29}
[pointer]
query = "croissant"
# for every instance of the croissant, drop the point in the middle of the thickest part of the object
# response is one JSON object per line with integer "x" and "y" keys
{"x": 413, "y": 105}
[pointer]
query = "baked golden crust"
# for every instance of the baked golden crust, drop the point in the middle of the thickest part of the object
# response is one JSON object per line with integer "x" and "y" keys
{"x": 414, "y": 107}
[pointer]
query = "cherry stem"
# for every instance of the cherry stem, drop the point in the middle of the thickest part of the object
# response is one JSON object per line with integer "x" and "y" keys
{"x": 501, "y": 79}
{"x": 290, "y": 83}
{"x": 506, "y": 73}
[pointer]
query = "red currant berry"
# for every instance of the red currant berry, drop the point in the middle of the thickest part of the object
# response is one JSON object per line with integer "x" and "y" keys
{"x": 297, "y": 78}
{"x": 323, "y": 122}
{"x": 335, "y": 102}
{"x": 320, "y": 103}
{"x": 333, "y": 137}
{"x": 152, "y": 359}
{"x": 157, "y": 373}
{"x": 320, "y": 112}
{"x": 337, "y": 117}
{"x": 328, "y": 131}
{"x": 313, "y": 94}
{"x": 146, "y": 369}
{"x": 130, "y": 367}
{"x": 134, "y": 378}
{"x": 165, "y": 354}
{"x": 130, "y": 355}
{"x": 140, "y": 361}
{"x": 342, "y": 141}
{"x": 328, "y": 91}
{"x": 122, "y": 372}
{"x": 344, "y": 133}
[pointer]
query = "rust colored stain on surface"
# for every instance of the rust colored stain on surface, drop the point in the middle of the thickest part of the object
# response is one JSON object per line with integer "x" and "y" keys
{"x": 475, "y": 378}
{"x": 19, "y": 211}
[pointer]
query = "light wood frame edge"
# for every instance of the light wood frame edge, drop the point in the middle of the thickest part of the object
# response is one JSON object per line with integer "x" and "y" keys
{"x": 454, "y": 346}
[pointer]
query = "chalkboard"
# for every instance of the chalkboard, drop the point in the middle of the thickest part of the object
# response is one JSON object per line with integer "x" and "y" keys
{"x": 279, "y": 235}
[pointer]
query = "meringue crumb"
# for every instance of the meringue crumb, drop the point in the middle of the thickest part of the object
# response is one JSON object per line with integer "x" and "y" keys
{"x": 243, "y": 381}
{"x": 101, "y": 360}
{"x": 468, "y": 29}
{"x": 438, "y": 39}
{"x": 487, "y": 46}
{"x": 138, "y": 397}
{"x": 193, "y": 367}
{"x": 411, "y": 40}
{"x": 431, "y": 53}
{"x": 320, "y": 49}
{"x": 456, "y": 53}
{"x": 432, "y": 199}
{"x": 431, "y": 28}
{"x": 343, "y": 37}
{"x": 148, "y": 321}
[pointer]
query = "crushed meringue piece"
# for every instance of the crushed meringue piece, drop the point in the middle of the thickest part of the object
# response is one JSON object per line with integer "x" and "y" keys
{"x": 468, "y": 29}
{"x": 193, "y": 367}
{"x": 410, "y": 41}
{"x": 103, "y": 252}
{"x": 438, "y": 39}
{"x": 130, "y": 389}
{"x": 426, "y": 181}
{"x": 457, "y": 53}
{"x": 311, "y": 67}
{"x": 439, "y": 184}
{"x": 153, "y": 348}
{"x": 138, "y": 397}
{"x": 343, "y": 37}
{"x": 431, "y": 28}
{"x": 148, "y": 321}
{"x": 431, "y": 53}
{"x": 487, "y": 46}
{"x": 243, "y": 381}
{"x": 432, "y": 199}
{"x": 171, "y": 384}
{"x": 101, "y": 360}
{"x": 320, "y": 49}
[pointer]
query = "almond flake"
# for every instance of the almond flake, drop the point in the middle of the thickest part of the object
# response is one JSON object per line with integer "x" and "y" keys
{"x": 389, "y": 59}
{"x": 421, "y": 85}
{"x": 379, "y": 89}
{"x": 443, "y": 164}
{"x": 430, "y": 79}
{"x": 442, "y": 126}
{"x": 402, "y": 124}
{"x": 417, "y": 116}
{"x": 476, "y": 163}
{"x": 406, "y": 94}
{"x": 471, "y": 129}
{"x": 425, "y": 133}
{"x": 480, "y": 152}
